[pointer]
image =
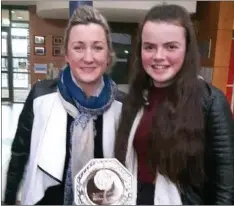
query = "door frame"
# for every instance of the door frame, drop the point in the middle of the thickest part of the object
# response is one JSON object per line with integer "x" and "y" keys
{"x": 10, "y": 71}
{"x": 9, "y": 63}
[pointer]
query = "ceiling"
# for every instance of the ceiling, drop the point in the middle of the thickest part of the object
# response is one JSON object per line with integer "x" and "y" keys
{"x": 113, "y": 10}
{"x": 19, "y": 3}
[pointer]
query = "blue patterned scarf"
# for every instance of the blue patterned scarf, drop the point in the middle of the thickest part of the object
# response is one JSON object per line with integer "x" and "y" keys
{"x": 82, "y": 132}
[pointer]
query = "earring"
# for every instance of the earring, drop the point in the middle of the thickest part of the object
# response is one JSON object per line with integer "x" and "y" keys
{"x": 145, "y": 95}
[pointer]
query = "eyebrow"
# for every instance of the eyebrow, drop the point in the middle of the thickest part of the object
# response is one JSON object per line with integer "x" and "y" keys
{"x": 81, "y": 42}
{"x": 170, "y": 42}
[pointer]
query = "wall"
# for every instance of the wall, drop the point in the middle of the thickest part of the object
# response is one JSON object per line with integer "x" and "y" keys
{"x": 215, "y": 23}
{"x": 47, "y": 28}
{"x": 212, "y": 21}
{"x": 207, "y": 17}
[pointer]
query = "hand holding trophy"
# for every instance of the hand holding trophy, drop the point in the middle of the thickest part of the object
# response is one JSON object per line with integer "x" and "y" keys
{"x": 103, "y": 182}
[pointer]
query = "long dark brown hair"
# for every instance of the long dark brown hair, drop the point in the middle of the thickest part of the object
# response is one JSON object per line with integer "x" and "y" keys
{"x": 177, "y": 135}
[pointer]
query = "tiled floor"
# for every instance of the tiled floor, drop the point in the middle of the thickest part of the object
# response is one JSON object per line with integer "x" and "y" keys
{"x": 10, "y": 115}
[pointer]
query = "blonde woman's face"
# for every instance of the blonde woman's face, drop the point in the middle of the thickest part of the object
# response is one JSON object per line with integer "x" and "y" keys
{"x": 87, "y": 53}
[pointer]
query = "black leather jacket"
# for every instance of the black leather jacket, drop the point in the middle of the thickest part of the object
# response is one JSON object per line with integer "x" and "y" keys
{"x": 219, "y": 156}
{"x": 219, "y": 164}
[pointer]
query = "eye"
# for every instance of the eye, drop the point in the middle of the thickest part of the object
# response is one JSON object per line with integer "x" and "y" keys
{"x": 171, "y": 47}
{"x": 148, "y": 47}
{"x": 98, "y": 48}
{"x": 78, "y": 48}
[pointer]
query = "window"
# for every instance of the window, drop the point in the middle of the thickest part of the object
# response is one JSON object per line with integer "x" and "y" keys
{"x": 122, "y": 47}
{"x": 5, "y": 17}
{"x": 18, "y": 86}
{"x": 19, "y": 42}
{"x": 19, "y": 15}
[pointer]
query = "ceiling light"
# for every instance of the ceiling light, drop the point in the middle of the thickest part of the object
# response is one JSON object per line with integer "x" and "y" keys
{"x": 126, "y": 51}
{"x": 19, "y": 17}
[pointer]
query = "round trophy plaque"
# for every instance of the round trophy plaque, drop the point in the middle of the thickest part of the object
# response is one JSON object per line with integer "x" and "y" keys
{"x": 103, "y": 182}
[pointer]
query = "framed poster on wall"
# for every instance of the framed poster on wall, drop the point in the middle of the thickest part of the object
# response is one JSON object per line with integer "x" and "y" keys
{"x": 39, "y": 51}
{"x": 40, "y": 68}
{"x": 39, "y": 40}
{"x": 57, "y": 40}
{"x": 57, "y": 51}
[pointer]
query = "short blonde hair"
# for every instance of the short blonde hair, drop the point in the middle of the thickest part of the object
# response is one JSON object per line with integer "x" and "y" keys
{"x": 85, "y": 15}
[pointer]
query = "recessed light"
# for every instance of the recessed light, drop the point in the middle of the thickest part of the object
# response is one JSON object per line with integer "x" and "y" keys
{"x": 19, "y": 17}
{"x": 12, "y": 12}
{"x": 126, "y": 51}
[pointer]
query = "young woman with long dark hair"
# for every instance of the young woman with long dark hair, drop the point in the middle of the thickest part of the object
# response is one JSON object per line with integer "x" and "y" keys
{"x": 176, "y": 131}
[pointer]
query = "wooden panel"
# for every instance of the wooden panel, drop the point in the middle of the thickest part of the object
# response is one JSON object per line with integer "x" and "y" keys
{"x": 226, "y": 15}
{"x": 216, "y": 22}
{"x": 208, "y": 14}
{"x": 223, "y": 48}
{"x": 220, "y": 75}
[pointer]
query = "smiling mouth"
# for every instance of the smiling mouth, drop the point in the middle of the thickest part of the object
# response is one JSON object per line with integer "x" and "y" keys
{"x": 160, "y": 67}
{"x": 88, "y": 69}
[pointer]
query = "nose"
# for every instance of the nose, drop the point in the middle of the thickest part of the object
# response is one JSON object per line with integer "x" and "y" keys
{"x": 159, "y": 54}
{"x": 88, "y": 56}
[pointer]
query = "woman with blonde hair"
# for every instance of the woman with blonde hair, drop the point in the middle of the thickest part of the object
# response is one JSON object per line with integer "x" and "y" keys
{"x": 67, "y": 122}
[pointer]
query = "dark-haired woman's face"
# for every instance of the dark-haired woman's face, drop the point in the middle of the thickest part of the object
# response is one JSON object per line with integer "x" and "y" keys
{"x": 162, "y": 51}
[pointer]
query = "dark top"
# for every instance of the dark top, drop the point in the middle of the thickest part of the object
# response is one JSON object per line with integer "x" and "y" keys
{"x": 146, "y": 177}
{"x": 141, "y": 140}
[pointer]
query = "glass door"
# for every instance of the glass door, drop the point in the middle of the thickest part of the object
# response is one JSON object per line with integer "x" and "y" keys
{"x": 7, "y": 90}
{"x": 21, "y": 73}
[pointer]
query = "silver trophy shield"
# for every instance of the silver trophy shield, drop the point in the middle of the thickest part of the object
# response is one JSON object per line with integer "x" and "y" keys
{"x": 103, "y": 182}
